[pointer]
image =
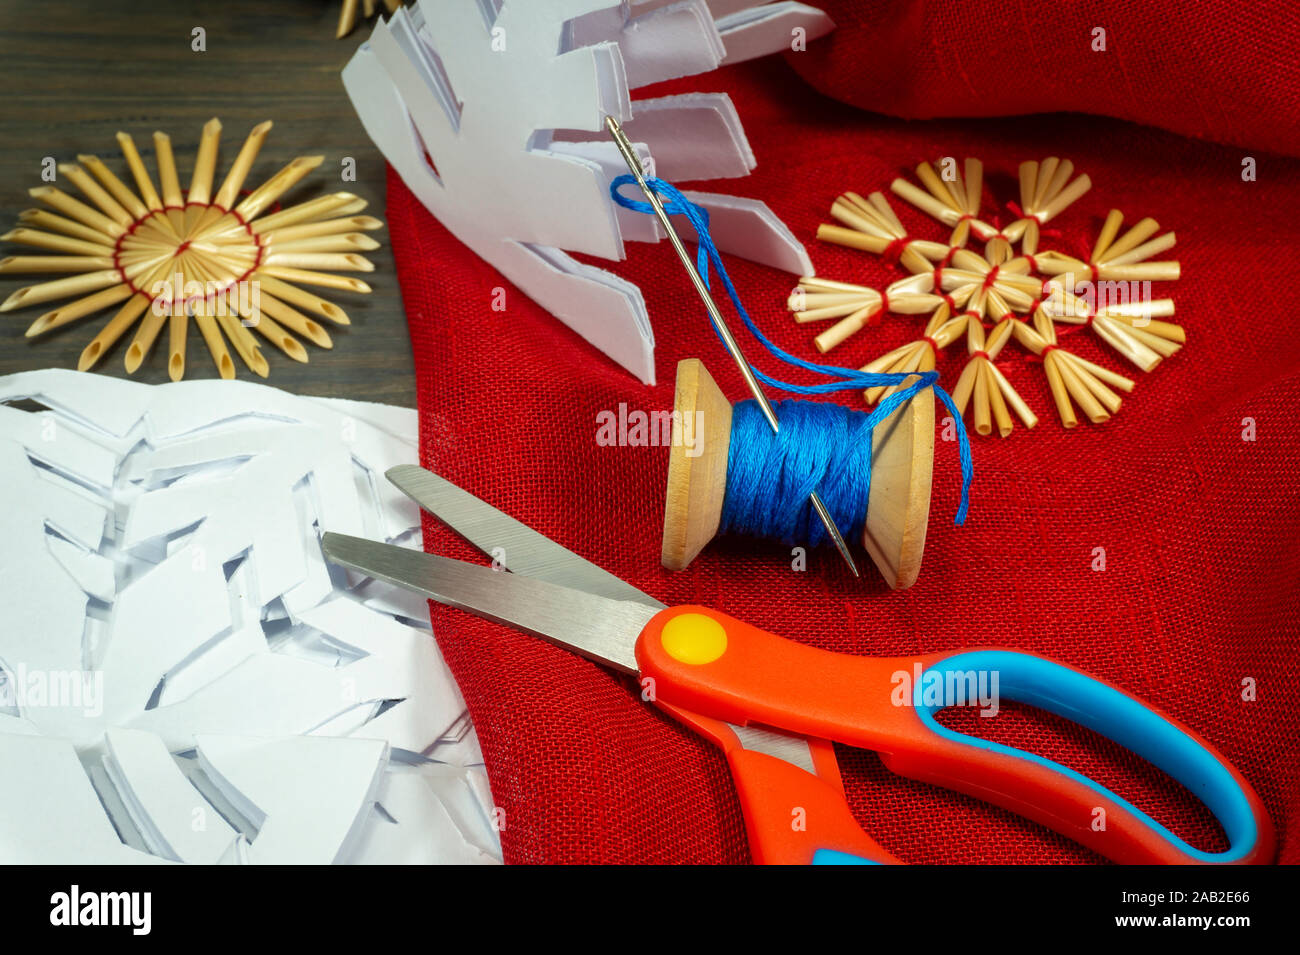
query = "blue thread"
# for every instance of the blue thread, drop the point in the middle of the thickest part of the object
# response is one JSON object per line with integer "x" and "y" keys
{"x": 842, "y": 379}
{"x": 770, "y": 474}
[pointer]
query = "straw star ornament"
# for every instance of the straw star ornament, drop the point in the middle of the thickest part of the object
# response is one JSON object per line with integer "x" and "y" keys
{"x": 991, "y": 299}
{"x": 229, "y": 260}
{"x": 353, "y": 10}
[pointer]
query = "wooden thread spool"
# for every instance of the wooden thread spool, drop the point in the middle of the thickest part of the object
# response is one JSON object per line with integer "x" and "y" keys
{"x": 902, "y": 463}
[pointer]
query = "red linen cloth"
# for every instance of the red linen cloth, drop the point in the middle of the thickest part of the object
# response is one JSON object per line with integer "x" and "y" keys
{"x": 1198, "y": 525}
{"x": 1215, "y": 69}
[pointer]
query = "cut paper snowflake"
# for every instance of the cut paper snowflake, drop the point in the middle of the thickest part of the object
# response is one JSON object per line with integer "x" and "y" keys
{"x": 990, "y": 299}
{"x": 493, "y": 114}
{"x": 165, "y": 255}
{"x": 183, "y": 677}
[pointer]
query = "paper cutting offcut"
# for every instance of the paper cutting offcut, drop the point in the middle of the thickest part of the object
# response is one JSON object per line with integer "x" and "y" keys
{"x": 183, "y": 677}
{"x": 987, "y": 300}
{"x": 230, "y": 259}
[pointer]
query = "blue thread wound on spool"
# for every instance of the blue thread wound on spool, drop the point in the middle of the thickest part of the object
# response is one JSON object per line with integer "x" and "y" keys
{"x": 771, "y": 474}
{"x": 843, "y": 379}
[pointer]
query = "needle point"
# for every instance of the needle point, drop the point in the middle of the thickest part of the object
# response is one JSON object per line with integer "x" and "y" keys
{"x": 829, "y": 523}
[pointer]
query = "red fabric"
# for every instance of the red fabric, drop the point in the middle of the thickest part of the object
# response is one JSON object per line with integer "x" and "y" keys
{"x": 1214, "y": 69}
{"x": 1199, "y": 527}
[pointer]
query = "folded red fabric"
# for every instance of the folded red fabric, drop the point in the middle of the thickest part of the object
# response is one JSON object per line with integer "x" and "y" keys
{"x": 1199, "y": 526}
{"x": 1216, "y": 69}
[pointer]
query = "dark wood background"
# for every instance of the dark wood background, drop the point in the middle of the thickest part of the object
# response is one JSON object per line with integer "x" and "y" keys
{"x": 74, "y": 72}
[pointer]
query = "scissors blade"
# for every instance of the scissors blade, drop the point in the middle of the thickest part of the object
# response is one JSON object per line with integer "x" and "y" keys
{"x": 596, "y": 627}
{"x": 518, "y": 547}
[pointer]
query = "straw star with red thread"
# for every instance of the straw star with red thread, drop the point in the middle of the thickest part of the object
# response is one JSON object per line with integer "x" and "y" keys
{"x": 988, "y": 300}
{"x": 165, "y": 255}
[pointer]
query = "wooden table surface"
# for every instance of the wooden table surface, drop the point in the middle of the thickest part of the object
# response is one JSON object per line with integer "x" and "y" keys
{"x": 74, "y": 72}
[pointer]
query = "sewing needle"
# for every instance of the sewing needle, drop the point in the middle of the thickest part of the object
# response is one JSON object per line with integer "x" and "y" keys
{"x": 634, "y": 165}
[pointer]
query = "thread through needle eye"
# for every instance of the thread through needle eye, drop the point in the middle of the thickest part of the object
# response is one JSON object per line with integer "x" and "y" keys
{"x": 630, "y": 157}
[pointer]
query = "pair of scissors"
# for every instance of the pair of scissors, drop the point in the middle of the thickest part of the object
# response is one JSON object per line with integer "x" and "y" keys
{"x": 775, "y": 706}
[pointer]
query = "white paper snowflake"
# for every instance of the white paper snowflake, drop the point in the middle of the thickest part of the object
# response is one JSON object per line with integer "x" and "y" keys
{"x": 494, "y": 116}
{"x": 182, "y": 675}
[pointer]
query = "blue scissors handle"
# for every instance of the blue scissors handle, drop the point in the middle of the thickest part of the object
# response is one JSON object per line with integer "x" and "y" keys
{"x": 1066, "y": 800}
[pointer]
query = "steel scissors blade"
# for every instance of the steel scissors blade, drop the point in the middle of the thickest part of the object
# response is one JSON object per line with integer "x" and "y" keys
{"x": 596, "y": 627}
{"x": 518, "y": 547}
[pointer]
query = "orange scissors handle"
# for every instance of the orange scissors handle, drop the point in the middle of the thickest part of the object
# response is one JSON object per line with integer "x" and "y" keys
{"x": 710, "y": 670}
{"x": 793, "y": 815}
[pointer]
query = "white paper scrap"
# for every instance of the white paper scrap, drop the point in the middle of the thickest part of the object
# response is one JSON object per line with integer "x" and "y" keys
{"x": 49, "y": 813}
{"x": 308, "y": 797}
{"x": 183, "y": 677}
{"x": 176, "y": 822}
